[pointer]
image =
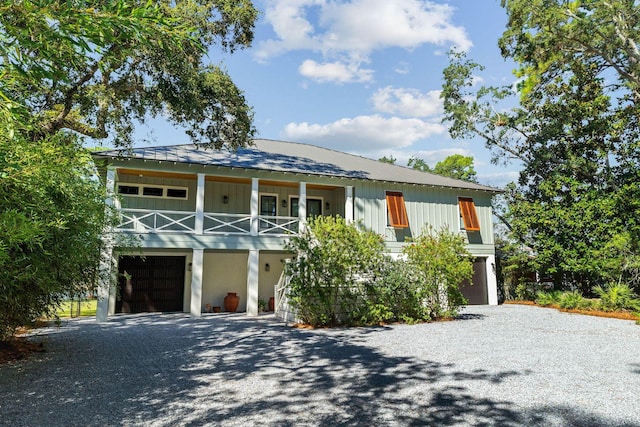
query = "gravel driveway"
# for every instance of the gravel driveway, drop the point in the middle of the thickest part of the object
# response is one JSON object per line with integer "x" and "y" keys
{"x": 507, "y": 365}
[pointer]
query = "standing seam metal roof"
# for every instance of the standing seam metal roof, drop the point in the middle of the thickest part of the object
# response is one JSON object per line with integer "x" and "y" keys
{"x": 295, "y": 158}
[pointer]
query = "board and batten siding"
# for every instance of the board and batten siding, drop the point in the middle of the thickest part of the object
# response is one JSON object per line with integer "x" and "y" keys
{"x": 436, "y": 207}
{"x": 159, "y": 203}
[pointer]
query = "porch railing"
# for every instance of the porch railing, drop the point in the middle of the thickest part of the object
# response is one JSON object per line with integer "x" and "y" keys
{"x": 147, "y": 221}
{"x": 161, "y": 221}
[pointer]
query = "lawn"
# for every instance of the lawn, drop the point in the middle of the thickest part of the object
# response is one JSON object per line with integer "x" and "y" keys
{"x": 87, "y": 308}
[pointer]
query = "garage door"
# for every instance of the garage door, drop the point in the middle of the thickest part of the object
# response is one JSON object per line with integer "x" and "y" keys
{"x": 150, "y": 284}
{"x": 477, "y": 294}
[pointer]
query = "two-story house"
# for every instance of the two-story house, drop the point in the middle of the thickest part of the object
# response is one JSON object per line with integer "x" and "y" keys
{"x": 212, "y": 222}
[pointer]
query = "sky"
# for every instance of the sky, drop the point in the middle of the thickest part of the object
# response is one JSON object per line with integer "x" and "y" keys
{"x": 363, "y": 76}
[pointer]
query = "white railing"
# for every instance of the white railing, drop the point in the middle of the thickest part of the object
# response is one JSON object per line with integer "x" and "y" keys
{"x": 152, "y": 221}
{"x": 222, "y": 223}
{"x": 146, "y": 221}
{"x": 278, "y": 225}
{"x": 282, "y": 309}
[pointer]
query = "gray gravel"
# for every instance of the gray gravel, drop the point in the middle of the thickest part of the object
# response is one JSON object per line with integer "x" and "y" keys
{"x": 507, "y": 366}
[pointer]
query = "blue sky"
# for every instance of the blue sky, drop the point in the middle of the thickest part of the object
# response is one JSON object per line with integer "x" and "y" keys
{"x": 363, "y": 76}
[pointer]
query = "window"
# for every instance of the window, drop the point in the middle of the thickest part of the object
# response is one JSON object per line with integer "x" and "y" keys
{"x": 468, "y": 214}
{"x": 177, "y": 193}
{"x": 130, "y": 190}
{"x": 156, "y": 191}
{"x": 152, "y": 191}
{"x": 396, "y": 210}
{"x": 314, "y": 207}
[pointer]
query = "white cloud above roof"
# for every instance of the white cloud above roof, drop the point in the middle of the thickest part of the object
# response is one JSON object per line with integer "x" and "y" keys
{"x": 364, "y": 134}
{"x": 354, "y": 30}
{"x": 407, "y": 102}
{"x": 336, "y": 72}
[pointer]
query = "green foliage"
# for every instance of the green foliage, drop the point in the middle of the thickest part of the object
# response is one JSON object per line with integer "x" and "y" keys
{"x": 342, "y": 276}
{"x": 573, "y": 300}
{"x": 615, "y": 297}
{"x": 418, "y": 164}
{"x": 575, "y": 132}
{"x": 334, "y": 261}
{"x": 52, "y": 216}
{"x": 457, "y": 166}
{"x": 391, "y": 160}
{"x": 441, "y": 262}
{"x": 547, "y": 298}
{"x": 98, "y": 67}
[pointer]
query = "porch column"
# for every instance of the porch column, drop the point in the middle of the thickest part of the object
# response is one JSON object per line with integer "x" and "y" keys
{"x": 196, "y": 282}
{"x": 199, "y": 226}
{"x": 348, "y": 204}
{"x": 255, "y": 188}
{"x": 302, "y": 207}
{"x": 492, "y": 280}
{"x": 253, "y": 274}
{"x": 104, "y": 285}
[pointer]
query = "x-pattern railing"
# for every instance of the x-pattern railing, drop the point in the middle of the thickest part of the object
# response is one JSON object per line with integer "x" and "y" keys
{"x": 221, "y": 223}
{"x": 278, "y": 225}
{"x": 144, "y": 221}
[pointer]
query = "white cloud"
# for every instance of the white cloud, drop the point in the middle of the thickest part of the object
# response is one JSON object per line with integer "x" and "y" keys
{"x": 354, "y": 29}
{"x": 364, "y": 135}
{"x": 335, "y": 72}
{"x": 407, "y": 102}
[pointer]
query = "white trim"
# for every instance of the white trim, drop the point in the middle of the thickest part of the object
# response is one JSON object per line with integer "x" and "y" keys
{"x": 165, "y": 189}
{"x": 296, "y": 196}
{"x": 197, "y": 262}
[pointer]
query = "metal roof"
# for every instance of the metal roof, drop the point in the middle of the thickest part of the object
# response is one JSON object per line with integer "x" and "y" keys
{"x": 295, "y": 158}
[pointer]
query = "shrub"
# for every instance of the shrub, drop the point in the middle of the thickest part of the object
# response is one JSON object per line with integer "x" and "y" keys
{"x": 548, "y": 298}
{"x": 441, "y": 262}
{"x": 334, "y": 266}
{"x": 573, "y": 300}
{"x": 617, "y": 297}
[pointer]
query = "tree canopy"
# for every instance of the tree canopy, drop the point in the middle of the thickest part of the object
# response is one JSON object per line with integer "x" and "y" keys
{"x": 96, "y": 68}
{"x": 454, "y": 166}
{"x": 574, "y": 130}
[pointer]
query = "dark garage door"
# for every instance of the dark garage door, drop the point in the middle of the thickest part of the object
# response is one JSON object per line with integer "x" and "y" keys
{"x": 477, "y": 294}
{"x": 152, "y": 283}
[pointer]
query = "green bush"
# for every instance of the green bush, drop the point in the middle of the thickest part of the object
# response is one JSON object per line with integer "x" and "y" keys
{"x": 441, "y": 262}
{"x": 548, "y": 298}
{"x": 334, "y": 266}
{"x": 341, "y": 275}
{"x": 573, "y": 300}
{"x": 616, "y": 297}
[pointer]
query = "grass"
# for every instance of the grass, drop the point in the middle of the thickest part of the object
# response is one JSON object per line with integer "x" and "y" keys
{"x": 87, "y": 308}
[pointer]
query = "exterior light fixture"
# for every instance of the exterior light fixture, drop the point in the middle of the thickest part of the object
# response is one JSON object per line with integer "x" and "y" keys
{"x": 267, "y": 267}
{"x": 225, "y": 200}
{"x": 284, "y": 203}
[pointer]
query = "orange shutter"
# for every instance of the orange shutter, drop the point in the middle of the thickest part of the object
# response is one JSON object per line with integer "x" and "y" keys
{"x": 397, "y": 211}
{"x": 469, "y": 215}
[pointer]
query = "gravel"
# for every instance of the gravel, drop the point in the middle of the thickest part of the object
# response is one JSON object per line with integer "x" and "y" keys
{"x": 507, "y": 365}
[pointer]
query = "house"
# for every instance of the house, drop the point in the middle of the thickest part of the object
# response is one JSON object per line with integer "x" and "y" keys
{"x": 213, "y": 222}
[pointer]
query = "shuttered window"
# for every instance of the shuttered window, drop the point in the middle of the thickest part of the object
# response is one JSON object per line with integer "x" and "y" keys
{"x": 396, "y": 209}
{"x": 468, "y": 214}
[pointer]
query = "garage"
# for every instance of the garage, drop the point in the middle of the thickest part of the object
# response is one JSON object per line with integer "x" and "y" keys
{"x": 150, "y": 284}
{"x": 477, "y": 293}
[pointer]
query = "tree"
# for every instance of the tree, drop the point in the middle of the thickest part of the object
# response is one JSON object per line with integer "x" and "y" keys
{"x": 51, "y": 220}
{"x": 96, "y": 68}
{"x": 454, "y": 166}
{"x": 575, "y": 131}
{"x": 391, "y": 160}
{"x": 418, "y": 164}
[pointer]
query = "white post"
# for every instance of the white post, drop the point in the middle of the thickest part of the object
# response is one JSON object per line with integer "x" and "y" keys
{"x": 102, "y": 310}
{"x": 348, "y": 204}
{"x": 302, "y": 207}
{"x": 199, "y": 226}
{"x": 255, "y": 187}
{"x": 253, "y": 272}
{"x": 492, "y": 280}
{"x": 196, "y": 282}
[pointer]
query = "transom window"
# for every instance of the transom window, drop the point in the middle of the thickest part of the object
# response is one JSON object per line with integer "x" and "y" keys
{"x": 156, "y": 191}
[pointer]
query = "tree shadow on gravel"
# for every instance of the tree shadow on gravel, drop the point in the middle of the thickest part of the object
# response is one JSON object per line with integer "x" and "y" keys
{"x": 172, "y": 370}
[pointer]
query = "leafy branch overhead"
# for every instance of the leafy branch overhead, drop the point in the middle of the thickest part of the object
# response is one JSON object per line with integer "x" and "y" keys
{"x": 96, "y": 68}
